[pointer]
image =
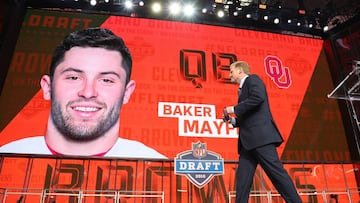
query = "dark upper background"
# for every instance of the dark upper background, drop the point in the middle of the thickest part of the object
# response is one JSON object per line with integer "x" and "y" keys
{"x": 332, "y": 13}
{"x": 336, "y": 14}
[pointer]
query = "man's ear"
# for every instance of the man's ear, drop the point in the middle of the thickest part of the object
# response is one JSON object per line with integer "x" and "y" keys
{"x": 45, "y": 83}
{"x": 129, "y": 89}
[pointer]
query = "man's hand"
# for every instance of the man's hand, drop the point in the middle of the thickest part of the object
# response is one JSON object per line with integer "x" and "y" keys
{"x": 226, "y": 116}
{"x": 229, "y": 109}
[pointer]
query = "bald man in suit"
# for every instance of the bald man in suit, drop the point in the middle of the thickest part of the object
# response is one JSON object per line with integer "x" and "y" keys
{"x": 259, "y": 136}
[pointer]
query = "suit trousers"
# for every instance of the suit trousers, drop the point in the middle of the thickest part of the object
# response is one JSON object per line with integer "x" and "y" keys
{"x": 268, "y": 159}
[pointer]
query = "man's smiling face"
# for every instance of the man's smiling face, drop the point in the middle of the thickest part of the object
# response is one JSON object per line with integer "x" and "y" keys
{"x": 87, "y": 92}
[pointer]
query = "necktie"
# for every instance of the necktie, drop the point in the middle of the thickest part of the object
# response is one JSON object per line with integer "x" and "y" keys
{"x": 239, "y": 92}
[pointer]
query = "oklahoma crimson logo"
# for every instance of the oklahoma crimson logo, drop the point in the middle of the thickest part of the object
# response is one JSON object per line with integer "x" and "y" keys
{"x": 279, "y": 74}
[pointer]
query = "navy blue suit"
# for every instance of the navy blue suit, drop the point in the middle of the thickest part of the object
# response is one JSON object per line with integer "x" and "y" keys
{"x": 257, "y": 142}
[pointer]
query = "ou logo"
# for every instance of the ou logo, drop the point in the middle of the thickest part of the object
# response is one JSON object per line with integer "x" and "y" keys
{"x": 274, "y": 69}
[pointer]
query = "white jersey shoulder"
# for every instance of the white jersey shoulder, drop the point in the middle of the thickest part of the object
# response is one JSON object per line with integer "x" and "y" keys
{"x": 123, "y": 148}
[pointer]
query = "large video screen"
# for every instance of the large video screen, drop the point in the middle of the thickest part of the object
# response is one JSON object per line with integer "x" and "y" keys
{"x": 181, "y": 72}
{"x": 182, "y": 80}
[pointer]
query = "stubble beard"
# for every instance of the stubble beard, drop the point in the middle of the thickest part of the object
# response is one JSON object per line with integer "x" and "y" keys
{"x": 83, "y": 132}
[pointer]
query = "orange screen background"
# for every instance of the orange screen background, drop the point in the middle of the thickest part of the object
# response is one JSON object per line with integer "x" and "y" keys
{"x": 156, "y": 47}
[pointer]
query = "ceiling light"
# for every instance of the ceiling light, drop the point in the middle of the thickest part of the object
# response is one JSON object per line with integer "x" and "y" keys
{"x": 276, "y": 20}
{"x": 174, "y": 8}
{"x": 326, "y": 28}
{"x": 93, "y": 2}
{"x": 189, "y": 10}
{"x": 262, "y": 6}
{"x": 128, "y": 4}
{"x": 220, "y": 13}
{"x": 156, "y": 7}
{"x": 302, "y": 11}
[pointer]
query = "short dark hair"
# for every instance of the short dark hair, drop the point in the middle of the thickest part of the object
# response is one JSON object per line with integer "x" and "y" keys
{"x": 92, "y": 37}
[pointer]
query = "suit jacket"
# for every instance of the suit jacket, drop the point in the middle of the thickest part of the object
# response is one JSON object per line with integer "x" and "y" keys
{"x": 253, "y": 116}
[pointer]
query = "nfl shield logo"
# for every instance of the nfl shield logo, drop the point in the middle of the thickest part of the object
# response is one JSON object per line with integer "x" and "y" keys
{"x": 199, "y": 150}
{"x": 199, "y": 165}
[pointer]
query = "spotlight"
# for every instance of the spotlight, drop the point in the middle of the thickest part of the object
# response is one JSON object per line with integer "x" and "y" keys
{"x": 93, "y": 2}
{"x": 248, "y": 15}
{"x": 189, "y": 10}
{"x": 302, "y": 11}
{"x": 289, "y": 21}
{"x": 174, "y": 8}
{"x": 141, "y": 3}
{"x": 276, "y": 20}
{"x": 262, "y": 6}
{"x": 128, "y": 4}
{"x": 156, "y": 7}
{"x": 266, "y": 17}
{"x": 326, "y": 28}
{"x": 220, "y": 13}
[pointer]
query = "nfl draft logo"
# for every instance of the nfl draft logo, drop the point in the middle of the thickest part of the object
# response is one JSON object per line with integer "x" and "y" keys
{"x": 199, "y": 165}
